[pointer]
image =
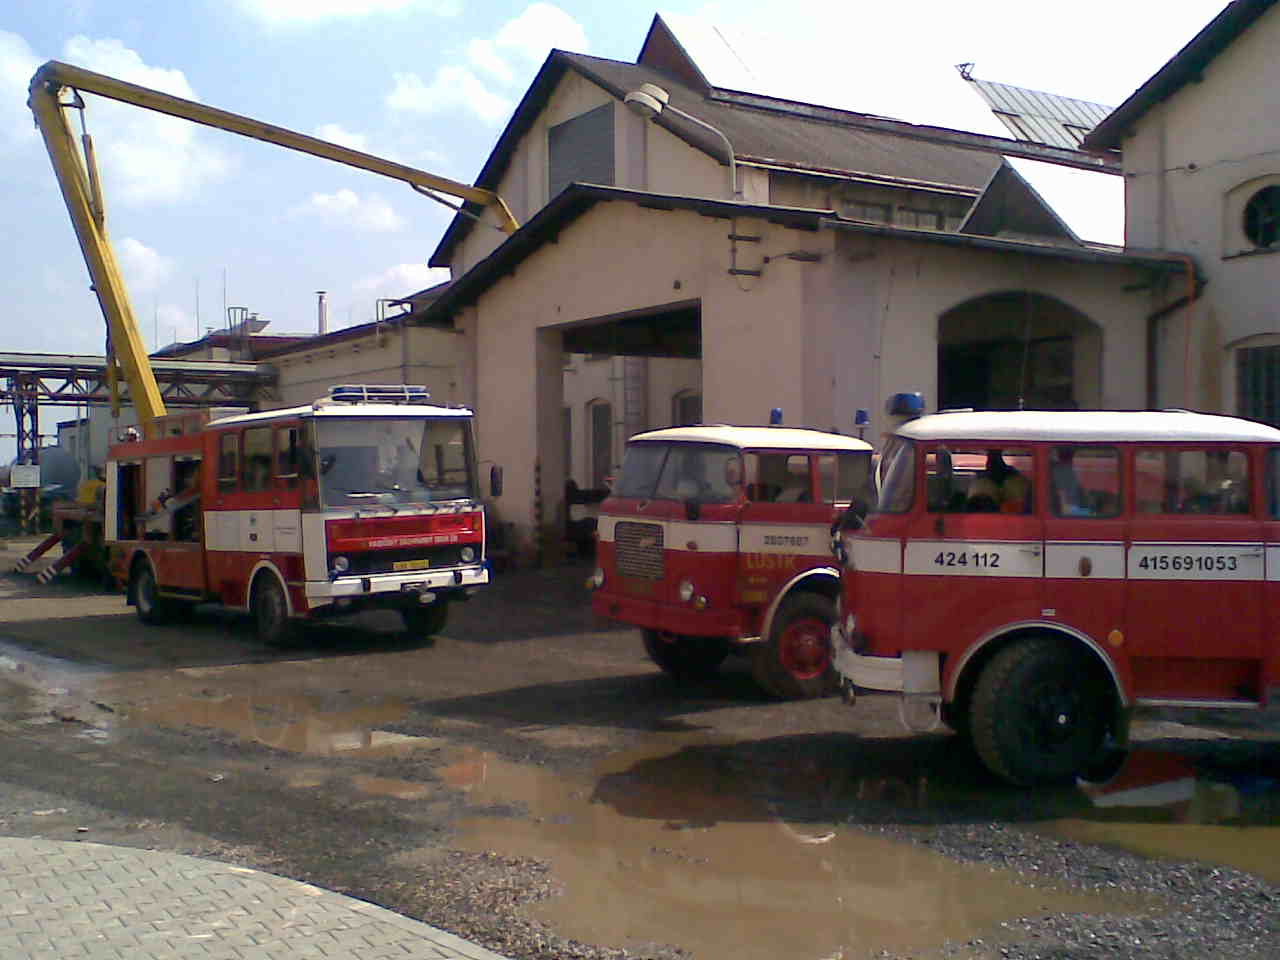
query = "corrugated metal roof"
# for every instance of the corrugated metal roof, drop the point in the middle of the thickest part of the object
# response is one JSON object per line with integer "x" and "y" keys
{"x": 1039, "y": 117}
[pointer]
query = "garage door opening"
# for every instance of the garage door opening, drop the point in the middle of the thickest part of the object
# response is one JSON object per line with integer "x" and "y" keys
{"x": 1018, "y": 350}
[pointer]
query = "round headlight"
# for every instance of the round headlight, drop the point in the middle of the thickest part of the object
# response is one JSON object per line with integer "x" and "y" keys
{"x": 468, "y": 554}
{"x": 341, "y": 564}
{"x": 686, "y": 590}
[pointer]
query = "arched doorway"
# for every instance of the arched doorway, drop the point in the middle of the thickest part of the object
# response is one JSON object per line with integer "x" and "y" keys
{"x": 1018, "y": 349}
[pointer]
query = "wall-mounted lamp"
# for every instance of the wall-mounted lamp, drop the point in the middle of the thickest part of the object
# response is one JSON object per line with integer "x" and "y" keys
{"x": 650, "y": 100}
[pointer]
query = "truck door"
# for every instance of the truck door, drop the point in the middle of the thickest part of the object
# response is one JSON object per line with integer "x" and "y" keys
{"x": 1085, "y": 531}
{"x": 1194, "y": 576}
{"x": 974, "y": 557}
{"x": 785, "y": 523}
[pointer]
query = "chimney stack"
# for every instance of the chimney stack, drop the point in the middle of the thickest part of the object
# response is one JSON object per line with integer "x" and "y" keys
{"x": 322, "y": 314}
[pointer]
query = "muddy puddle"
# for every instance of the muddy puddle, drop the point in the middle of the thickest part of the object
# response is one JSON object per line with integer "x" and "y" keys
{"x": 661, "y": 848}
{"x": 1163, "y": 805}
{"x": 297, "y": 724}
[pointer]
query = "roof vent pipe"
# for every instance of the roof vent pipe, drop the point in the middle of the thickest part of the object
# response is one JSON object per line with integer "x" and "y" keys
{"x": 322, "y": 314}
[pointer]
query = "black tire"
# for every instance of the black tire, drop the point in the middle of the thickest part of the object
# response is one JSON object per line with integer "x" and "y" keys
{"x": 270, "y": 610}
{"x": 424, "y": 621}
{"x": 794, "y": 661}
{"x": 1039, "y": 712}
{"x": 687, "y": 658}
{"x": 152, "y": 608}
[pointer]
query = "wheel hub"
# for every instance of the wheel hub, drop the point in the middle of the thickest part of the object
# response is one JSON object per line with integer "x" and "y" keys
{"x": 805, "y": 650}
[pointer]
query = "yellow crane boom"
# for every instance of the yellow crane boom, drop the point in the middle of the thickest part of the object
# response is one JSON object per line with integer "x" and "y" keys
{"x": 78, "y": 179}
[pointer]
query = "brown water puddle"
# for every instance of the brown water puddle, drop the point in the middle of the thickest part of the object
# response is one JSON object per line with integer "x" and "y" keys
{"x": 1159, "y": 805}
{"x": 298, "y": 724}
{"x": 692, "y": 860}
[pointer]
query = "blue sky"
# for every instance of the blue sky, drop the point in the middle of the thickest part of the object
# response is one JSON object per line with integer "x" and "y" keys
{"x": 429, "y": 83}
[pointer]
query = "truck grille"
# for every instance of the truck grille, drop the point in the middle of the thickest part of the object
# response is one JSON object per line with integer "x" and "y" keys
{"x": 383, "y": 561}
{"x": 639, "y": 550}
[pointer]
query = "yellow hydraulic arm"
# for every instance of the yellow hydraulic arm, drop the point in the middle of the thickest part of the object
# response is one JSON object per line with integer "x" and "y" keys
{"x": 78, "y": 179}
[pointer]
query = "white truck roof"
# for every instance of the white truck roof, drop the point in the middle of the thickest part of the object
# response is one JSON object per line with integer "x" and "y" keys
{"x": 756, "y": 438}
{"x": 326, "y": 408}
{"x": 1089, "y": 426}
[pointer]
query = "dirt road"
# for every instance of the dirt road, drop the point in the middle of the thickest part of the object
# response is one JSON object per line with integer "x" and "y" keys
{"x": 532, "y": 782}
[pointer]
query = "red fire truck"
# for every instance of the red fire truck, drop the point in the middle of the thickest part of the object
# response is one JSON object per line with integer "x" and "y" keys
{"x": 1030, "y": 578}
{"x": 367, "y": 499}
{"x": 717, "y": 539}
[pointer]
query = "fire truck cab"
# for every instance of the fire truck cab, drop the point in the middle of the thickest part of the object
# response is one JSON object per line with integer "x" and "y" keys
{"x": 717, "y": 539}
{"x": 365, "y": 499}
{"x": 1029, "y": 578}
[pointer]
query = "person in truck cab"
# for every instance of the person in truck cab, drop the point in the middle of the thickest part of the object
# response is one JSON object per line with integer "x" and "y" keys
{"x": 999, "y": 488}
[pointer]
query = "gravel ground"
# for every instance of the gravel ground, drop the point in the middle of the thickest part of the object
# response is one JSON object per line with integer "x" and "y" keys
{"x": 1197, "y": 910}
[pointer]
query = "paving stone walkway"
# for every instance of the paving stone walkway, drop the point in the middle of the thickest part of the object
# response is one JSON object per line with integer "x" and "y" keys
{"x": 87, "y": 900}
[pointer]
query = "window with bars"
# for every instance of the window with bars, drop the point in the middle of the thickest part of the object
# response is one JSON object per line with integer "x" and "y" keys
{"x": 1258, "y": 384}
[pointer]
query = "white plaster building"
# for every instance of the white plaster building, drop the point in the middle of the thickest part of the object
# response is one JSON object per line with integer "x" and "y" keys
{"x": 1200, "y": 148}
{"x": 860, "y": 257}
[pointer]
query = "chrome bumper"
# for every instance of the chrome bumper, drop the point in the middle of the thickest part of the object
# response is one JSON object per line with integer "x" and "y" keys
{"x": 321, "y": 591}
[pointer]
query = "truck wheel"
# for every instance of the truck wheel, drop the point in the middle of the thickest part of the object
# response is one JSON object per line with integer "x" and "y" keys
{"x": 685, "y": 657}
{"x": 152, "y": 608}
{"x": 270, "y": 612}
{"x": 794, "y": 661}
{"x": 1039, "y": 713}
{"x": 425, "y": 621}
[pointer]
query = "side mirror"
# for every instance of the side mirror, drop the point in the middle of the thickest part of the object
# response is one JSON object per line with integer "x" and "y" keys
{"x": 495, "y": 481}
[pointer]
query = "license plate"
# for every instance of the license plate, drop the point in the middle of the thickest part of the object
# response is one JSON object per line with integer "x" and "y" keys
{"x": 411, "y": 565}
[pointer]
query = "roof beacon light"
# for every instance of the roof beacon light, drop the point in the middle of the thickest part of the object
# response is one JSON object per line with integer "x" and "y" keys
{"x": 905, "y": 405}
{"x": 861, "y": 418}
{"x": 775, "y": 416}
{"x": 379, "y": 393}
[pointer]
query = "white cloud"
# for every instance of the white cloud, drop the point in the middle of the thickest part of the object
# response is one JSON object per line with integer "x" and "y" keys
{"x": 144, "y": 268}
{"x": 17, "y": 63}
{"x": 145, "y": 157}
{"x": 345, "y": 138}
{"x": 402, "y": 280}
{"x": 507, "y": 60}
{"x": 453, "y": 88}
{"x": 345, "y": 206}
{"x": 483, "y": 53}
{"x": 304, "y": 12}
{"x": 541, "y": 27}
{"x": 171, "y": 324}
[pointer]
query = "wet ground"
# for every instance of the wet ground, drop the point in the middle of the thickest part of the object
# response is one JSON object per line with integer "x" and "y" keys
{"x": 530, "y": 781}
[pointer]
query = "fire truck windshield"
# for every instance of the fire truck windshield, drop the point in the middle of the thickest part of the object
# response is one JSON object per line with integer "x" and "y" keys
{"x": 680, "y": 471}
{"x": 394, "y": 461}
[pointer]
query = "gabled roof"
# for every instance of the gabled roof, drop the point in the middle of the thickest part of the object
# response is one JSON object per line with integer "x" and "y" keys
{"x": 1009, "y": 206}
{"x": 1036, "y": 116}
{"x": 763, "y": 129}
{"x": 1185, "y": 67}
{"x": 768, "y": 131}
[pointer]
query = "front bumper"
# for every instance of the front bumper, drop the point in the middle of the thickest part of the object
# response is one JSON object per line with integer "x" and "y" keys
{"x": 324, "y": 591}
{"x": 869, "y": 673}
{"x": 680, "y": 619}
